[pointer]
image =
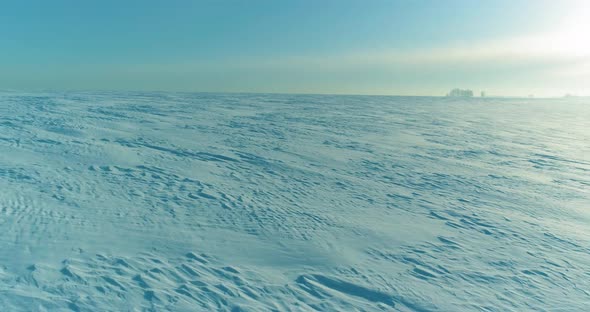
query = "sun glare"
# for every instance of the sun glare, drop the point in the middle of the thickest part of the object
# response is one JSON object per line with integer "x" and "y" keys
{"x": 572, "y": 38}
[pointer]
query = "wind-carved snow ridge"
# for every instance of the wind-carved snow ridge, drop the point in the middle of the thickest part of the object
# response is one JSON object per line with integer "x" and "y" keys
{"x": 245, "y": 202}
{"x": 187, "y": 283}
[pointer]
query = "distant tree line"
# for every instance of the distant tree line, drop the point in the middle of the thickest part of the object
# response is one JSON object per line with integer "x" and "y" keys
{"x": 460, "y": 93}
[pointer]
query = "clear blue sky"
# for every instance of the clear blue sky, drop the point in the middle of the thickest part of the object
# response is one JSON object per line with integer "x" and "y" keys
{"x": 310, "y": 46}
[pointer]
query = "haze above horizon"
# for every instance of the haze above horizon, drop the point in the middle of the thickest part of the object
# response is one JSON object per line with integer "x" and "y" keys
{"x": 502, "y": 47}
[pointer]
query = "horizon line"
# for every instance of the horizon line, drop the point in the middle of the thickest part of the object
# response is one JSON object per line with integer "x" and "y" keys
{"x": 291, "y": 93}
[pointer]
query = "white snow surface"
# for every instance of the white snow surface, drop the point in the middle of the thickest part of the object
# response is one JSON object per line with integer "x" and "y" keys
{"x": 115, "y": 201}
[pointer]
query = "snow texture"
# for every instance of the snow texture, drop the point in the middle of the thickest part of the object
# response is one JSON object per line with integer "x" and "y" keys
{"x": 253, "y": 202}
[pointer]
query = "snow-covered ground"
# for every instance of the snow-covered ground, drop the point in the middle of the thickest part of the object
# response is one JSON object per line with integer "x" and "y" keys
{"x": 200, "y": 202}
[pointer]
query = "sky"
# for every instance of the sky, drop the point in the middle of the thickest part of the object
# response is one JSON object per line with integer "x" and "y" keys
{"x": 419, "y": 47}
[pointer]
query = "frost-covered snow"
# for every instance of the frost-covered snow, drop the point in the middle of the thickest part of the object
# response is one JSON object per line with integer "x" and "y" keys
{"x": 199, "y": 202}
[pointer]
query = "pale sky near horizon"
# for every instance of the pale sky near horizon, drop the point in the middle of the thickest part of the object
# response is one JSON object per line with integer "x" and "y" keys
{"x": 421, "y": 47}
